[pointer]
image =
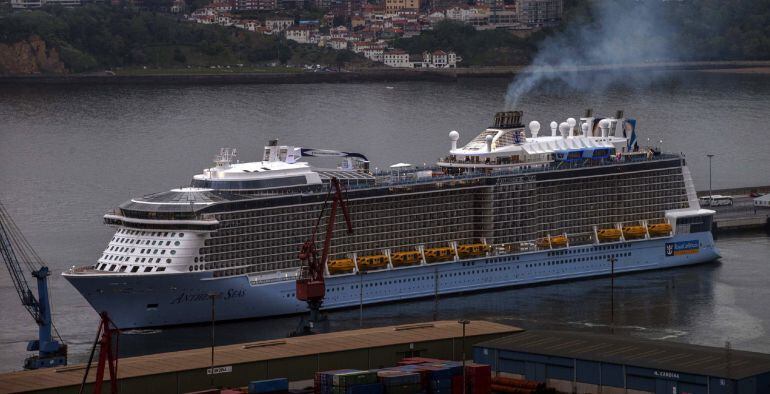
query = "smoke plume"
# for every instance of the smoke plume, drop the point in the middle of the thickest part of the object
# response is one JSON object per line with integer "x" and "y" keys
{"x": 620, "y": 32}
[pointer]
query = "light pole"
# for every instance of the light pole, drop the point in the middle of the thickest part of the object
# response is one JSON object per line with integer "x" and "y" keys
{"x": 612, "y": 260}
{"x": 464, "y": 322}
{"x": 213, "y": 297}
{"x": 361, "y": 299}
{"x": 710, "y": 155}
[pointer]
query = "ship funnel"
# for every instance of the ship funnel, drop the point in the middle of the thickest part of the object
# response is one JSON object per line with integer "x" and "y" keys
{"x": 454, "y": 136}
{"x": 508, "y": 120}
{"x": 604, "y": 124}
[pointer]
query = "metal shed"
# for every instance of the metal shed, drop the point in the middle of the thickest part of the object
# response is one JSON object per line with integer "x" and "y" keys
{"x": 576, "y": 362}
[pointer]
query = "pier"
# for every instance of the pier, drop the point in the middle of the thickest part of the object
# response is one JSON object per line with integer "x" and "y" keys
{"x": 742, "y": 215}
{"x": 294, "y": 358}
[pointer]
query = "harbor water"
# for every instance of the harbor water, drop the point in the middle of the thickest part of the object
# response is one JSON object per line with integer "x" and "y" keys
{"x": 70, "y": 154}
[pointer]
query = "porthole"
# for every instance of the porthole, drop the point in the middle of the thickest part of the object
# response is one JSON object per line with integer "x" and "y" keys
{"x": 173, "y": 252}
{"x": 176, "y": 243}
{"x": 168, "y": 261}
{"x": 191, "y": 268}
{"x": 181, "y": 235}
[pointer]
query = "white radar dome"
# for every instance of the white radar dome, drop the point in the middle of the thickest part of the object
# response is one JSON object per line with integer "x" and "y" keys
{"x": 454, "y": 135}
{"x": 534, "y": 126}
{"x": 564, "y": 128}
{"x": 572, "y": 122}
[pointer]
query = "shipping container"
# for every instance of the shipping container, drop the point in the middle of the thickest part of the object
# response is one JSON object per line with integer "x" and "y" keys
{"x": 280, "y": 385}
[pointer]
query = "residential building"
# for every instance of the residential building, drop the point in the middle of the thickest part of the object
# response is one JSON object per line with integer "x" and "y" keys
{"x": 539, "y": 13}
{"x": 303, "y": 34}
{"x": 29, "y": 4}
{"x": 439, "y": 59}
{"x": 396, "y": 5}
{"x": 279, "y": 24}
{"x": 257, "y": 5}
{"x": 338, "y": 43}
{"x": 396, "y": 58}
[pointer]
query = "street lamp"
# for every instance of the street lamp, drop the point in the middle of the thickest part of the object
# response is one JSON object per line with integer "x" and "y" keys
{"x": 464, "y": 322}
{"x": 213, "y": 296}
{"x": 361, "y": 298}
{"x": 612, "y": 260}
{"x": 710, "y": 155}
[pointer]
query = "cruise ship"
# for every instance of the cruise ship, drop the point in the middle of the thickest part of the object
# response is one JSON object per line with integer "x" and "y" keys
{"x": 516, "y": 205}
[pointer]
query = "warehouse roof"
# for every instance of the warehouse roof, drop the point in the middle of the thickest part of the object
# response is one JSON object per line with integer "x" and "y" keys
{"x": 665, "y": 355}
{"x": 253, "y": 352}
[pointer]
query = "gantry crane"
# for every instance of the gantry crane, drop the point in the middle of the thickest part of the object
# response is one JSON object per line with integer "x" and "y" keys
{"x": 311, "y": 287}
{"x": 15, "y": 251}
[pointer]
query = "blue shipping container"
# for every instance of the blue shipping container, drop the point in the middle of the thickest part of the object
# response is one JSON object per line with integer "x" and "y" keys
{"x": 268, "y": 386}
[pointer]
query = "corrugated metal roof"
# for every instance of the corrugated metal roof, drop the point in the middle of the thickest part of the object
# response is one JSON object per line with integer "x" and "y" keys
{"x": 253, "y": 352}
{"x": 617, "y": 349}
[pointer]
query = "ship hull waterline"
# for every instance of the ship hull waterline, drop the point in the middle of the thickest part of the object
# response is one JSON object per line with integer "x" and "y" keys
{"x": 184, "y": 298}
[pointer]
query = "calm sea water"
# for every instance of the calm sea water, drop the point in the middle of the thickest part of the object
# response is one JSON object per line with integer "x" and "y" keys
{"x": 69, "y": 154}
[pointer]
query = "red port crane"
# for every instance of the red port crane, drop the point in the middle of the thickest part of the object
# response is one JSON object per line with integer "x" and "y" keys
{"x": 310, "y": 282}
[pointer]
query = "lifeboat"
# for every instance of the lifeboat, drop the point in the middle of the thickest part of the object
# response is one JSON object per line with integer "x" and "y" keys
{"x": 400, "y": 259}
{"x": 659, "y": 229}
{"x": 340, "y": 266}
{"x": 373, "y": 262}
{"x": 555, "y": 242}
{"x": 633, "y": 232}
{"x": 472, "y": 250}
{"x": 609, "y": 234}
{"x": 433, "y": 255}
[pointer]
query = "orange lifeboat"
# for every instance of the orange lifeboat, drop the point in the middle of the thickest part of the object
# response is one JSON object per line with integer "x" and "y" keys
{"x": 400, "y": 259}
{"x": 633, "y": 232}
{"x": 340, "y": 266}
{"x": 433, "y": 255}
{"x": 373, "y": 262}
{"x": 609, "y": 234}
{"x": 552, "y": 242}
{"x": 660, "y": 229}
{"x": 472, "y": 250}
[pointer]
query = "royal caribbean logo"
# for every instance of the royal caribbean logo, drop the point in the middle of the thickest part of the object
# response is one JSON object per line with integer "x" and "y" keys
{"x": 680, "y": 248}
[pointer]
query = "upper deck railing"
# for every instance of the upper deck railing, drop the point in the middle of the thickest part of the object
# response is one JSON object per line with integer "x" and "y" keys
{"x": 410, "y": 176}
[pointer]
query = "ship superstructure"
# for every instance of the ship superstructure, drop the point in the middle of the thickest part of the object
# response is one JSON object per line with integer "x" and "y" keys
{"x": 510, "y": 197}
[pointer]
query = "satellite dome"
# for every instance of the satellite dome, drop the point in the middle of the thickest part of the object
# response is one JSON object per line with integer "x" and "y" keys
{"x": 564, "y": 128}
{"x": 604, "y": 123}
{"x": 554, "y": 124}
{"x": 489, "y": 139}
{"x": 572, "y": 122}
{"x": 454, "y": 135}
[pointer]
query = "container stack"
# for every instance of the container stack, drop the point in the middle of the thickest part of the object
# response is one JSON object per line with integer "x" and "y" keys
{"x": 270, "y": 386}
{"x": 347, "y": 381}
{"x": 395, "y": 381}
{"x": 519, "y": 386}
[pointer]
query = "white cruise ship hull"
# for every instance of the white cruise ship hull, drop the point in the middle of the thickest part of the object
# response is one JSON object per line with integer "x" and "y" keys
{"x": 183, "y": 298}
